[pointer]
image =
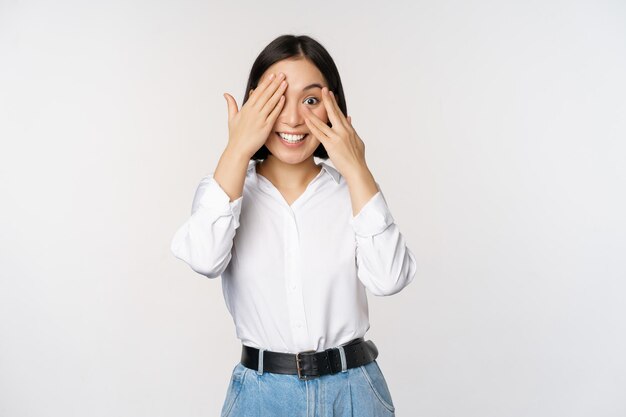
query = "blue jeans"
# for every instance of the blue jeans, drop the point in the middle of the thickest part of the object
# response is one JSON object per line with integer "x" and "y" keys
{"x": 360, "y": 391}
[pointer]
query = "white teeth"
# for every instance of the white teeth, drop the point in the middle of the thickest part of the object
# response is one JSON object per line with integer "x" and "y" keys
{"x": 291, "y": 138}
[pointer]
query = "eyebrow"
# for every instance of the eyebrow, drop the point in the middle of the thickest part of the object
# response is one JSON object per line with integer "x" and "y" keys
{"x": 314, "y": 85}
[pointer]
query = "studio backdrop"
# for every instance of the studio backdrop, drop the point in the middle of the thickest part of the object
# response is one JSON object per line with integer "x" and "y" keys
{"x": 495, "y": 130}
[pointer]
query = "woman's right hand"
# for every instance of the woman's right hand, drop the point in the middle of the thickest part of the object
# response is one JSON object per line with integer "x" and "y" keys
{"x": 249, "y": 128}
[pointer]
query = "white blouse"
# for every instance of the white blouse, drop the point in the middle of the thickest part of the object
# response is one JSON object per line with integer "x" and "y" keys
{"x": 294, "y": 277}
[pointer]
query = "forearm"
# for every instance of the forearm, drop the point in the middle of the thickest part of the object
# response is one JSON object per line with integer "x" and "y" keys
{"x": 230, "y": 172}
{"x": 362, "y": 187}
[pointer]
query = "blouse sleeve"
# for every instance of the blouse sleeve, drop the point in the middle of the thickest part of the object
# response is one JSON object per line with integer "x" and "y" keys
{"x": 385, "y": 265}
{"x": 205, "y": 240}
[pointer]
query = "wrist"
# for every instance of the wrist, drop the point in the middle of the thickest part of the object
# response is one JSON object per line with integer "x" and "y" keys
{"x": 236, "y": 154}
{"x": 357, "y": 173}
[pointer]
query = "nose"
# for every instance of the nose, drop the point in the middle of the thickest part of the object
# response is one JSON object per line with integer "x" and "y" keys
{"x": 291, "y": 114}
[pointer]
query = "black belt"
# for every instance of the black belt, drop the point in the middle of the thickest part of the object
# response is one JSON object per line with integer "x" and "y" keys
{"x": 311, "y": 364}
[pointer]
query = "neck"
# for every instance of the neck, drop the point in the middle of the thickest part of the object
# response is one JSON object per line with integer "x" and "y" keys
{"x": 288, "y": 176}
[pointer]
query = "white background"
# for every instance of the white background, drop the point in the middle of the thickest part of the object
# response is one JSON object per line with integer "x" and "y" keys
{"x": 496, "y": 130}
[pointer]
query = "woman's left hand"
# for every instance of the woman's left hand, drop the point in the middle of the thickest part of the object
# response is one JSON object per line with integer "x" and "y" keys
{"x": 343, "y": 145}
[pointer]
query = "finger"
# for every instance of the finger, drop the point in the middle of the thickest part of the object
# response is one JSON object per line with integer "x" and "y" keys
{"x": 271, "y": 103}
{"x": 338, "y": 111}
{"x": 269, "y": 90}
{"x": 277, "y": 109}
{"x": 349, "y": 119}
{"x": 254, "y": 92}
{"x": 232, "y": 106}
{"x": 317, "y": 123}
{"x": 315, "y": 131}
{"x": 330, "y": 109}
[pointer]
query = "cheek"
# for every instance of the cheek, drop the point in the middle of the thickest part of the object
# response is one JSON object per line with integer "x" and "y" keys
{"x": 321, "y": 113}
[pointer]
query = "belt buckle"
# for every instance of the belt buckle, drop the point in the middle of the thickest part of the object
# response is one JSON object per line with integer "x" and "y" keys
{"x": 300, "y": 376}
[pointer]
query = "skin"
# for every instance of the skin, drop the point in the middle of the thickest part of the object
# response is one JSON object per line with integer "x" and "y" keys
{"x": 345, "y": 149}
{"x": 291, "y": 169}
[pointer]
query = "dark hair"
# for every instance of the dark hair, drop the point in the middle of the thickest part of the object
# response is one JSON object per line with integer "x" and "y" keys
{"x": 291, "y": 46}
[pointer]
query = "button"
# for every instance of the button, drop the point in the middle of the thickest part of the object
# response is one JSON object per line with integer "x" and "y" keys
{"x": 293, "y": 287}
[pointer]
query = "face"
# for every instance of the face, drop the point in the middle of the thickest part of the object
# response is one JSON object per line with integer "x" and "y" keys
{"x": 304, "y": 89}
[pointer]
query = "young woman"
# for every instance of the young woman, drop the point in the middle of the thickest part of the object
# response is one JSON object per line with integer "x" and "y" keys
{"x": 297, "y": 243}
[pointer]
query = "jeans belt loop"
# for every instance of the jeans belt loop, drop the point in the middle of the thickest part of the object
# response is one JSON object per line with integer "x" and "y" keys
{"x": 260, "y": 366}
{"x": 342, "y": 353}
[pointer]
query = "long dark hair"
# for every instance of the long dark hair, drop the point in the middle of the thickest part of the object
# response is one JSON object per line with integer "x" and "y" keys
{"x": 291, "y": 46}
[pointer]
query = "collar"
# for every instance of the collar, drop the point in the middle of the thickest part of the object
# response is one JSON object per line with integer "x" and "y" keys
{"x": 336, "y": 175}
{"x": 332, "y": 171}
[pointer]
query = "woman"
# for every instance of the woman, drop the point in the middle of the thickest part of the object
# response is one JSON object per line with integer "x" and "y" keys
{"x": 297, "y": 243}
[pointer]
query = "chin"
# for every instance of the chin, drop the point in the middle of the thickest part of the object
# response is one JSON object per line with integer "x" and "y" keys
{"x": 291, "y": 157}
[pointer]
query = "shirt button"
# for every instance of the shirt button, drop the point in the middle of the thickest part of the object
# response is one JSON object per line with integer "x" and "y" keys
{"x": 293, "y": 287}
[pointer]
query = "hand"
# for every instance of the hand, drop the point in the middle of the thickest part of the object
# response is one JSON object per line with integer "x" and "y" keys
{"x": 249, "y": 128}
{"x": 343, "y": 145}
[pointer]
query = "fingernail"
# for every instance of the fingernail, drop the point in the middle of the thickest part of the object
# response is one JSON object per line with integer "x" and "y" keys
{"x": 272, "y": 76}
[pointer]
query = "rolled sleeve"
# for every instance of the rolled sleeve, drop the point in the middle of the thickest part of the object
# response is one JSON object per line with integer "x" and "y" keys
{"x": 211, "y": 196}
{"x": 205, "y": 240}
{"x": 373, "y": 218}
{"x": 385, "y": 265}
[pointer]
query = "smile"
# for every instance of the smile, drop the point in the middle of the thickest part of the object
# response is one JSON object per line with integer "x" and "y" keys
{"x": 292, "y": 138}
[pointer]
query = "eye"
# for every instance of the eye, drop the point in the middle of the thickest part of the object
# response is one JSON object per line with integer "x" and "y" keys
{"x": 311, "y": 98}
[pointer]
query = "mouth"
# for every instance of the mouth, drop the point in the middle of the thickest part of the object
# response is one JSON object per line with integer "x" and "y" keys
{"x": 292, "y": 140}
